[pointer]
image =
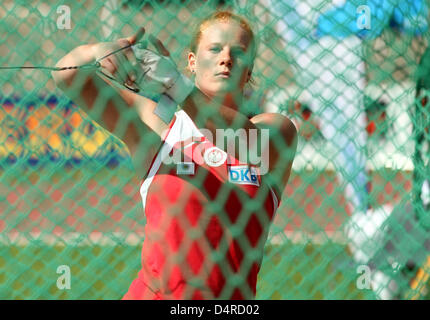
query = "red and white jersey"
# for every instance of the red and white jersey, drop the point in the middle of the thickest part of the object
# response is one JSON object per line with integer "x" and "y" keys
{"x": 207, "y": 220}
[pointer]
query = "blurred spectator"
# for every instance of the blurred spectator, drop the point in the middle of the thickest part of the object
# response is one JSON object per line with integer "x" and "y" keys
{"x": 421, "y": 116}
{"x": 325, "y": 40}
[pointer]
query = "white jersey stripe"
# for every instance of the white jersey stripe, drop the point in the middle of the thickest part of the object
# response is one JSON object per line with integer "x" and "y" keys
{"x": 182, "y": 129}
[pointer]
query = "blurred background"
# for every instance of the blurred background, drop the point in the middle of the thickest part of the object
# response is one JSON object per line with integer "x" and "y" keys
{"x": 352, "y": 79}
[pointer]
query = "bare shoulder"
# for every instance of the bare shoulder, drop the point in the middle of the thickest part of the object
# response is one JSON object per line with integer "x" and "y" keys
{"x": 276, "y": 121}
{"x": 280, "y": 128}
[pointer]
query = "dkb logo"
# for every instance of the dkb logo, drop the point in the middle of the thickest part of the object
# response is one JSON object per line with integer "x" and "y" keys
{"x": 243, "y": 175}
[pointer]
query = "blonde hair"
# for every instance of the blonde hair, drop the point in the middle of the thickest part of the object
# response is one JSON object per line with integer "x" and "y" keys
{"x": 225, "y": 16}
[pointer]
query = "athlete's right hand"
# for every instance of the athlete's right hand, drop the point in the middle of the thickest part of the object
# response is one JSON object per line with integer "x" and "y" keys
{"x": 159, "y": 73}
{"x": 121, "y": 65}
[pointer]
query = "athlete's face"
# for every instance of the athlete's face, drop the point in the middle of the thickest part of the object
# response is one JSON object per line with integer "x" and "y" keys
{"x": 221, "y": 62}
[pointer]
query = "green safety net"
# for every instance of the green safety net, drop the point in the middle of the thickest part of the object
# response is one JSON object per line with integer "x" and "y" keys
{"x": 354, "y": 219}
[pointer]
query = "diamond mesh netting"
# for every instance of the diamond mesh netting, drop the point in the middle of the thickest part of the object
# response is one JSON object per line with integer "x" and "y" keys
{"x": 353, "y": 221}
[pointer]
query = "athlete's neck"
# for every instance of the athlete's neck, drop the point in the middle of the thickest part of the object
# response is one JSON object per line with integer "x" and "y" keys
{"x": 230, "y": 100}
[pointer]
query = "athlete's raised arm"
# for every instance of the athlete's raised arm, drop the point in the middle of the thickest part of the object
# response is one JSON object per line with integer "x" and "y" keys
{"x": 107, "y": 103}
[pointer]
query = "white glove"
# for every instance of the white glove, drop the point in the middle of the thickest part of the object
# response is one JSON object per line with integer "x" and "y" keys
{"x": 159, "y": 75}
{"x": 145, "y": 72}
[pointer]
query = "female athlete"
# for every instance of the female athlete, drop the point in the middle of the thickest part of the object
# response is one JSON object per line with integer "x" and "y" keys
{"x": 208, "y": 215}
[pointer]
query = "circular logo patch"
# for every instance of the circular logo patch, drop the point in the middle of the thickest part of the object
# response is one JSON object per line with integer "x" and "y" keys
{"x": 215, "y": 157}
